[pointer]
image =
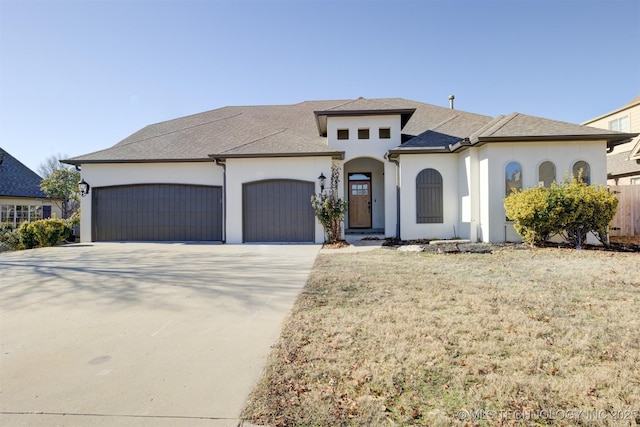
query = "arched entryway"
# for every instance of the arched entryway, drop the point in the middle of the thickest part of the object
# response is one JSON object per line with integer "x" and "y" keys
{"x": 364, "y": 192}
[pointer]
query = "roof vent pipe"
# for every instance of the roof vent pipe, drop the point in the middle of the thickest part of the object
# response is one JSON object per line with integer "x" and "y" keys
{"x": 451, "y": 98}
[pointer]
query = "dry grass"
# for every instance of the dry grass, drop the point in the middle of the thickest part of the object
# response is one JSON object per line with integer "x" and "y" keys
{"x": 390, "y": 338}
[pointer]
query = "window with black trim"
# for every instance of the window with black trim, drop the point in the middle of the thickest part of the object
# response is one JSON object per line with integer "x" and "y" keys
{"x": 429, "y": 199}
{"x": 384, "y": 133}
{"x": 363, "y": 133}
{"x": 343, "y": 133}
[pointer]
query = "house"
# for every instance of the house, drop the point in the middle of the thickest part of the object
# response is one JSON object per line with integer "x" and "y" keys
{"x": 20, "y": 196}
{"x": 623, "y": 162}
{"x": 408, "y": 169}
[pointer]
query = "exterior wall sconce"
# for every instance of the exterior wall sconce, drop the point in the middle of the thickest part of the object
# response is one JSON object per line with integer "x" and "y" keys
{"x": 84, "y": 187}
{"x": 322, "y": 179}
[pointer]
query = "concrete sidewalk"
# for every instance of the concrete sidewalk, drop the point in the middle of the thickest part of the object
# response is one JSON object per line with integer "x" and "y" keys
{"x": 140, "y": 333}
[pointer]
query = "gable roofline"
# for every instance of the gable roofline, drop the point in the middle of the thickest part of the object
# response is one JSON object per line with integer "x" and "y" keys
{"x": 518, "y": 127}
{"x": 634, "y": 102}
{"x": 321, "y": 116}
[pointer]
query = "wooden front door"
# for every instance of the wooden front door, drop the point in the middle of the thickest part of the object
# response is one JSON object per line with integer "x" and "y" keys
{"x": 359, "y": 204}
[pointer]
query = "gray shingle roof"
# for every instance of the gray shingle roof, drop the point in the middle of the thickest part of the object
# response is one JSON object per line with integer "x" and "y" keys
{"x": 17, "y": 180}
{"x": 619, "y": 165}
{"x": 522, "y": 125}
{"x": 287, "y": 130}
{"x": 252, "y": 130}
{"x": 363, "y": 104}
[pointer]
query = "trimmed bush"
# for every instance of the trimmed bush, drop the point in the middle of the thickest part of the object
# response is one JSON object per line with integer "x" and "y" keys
{"x": 9, "y": 237}
{"x": 534, "y": 214}
{"x": 41, "y": 233}
{"x": 27, "y": 236}
{"x": 572, "y": 209}
{"x": 50, "y": 232}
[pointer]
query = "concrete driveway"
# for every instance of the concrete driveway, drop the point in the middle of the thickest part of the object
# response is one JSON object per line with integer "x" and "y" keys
{"x": 140, "y": 333}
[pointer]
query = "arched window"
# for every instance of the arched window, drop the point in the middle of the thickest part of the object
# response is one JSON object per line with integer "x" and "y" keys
{"x": 586, "y": 171}
{"x": 429, "y": 197}
{"x": 512, "y": 177}
{"x": 546, "y": 173}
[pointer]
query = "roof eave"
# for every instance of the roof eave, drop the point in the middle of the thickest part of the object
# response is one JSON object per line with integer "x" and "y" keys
{"x": 623, "y": 175}
{"x": 338, "y": 155}
{"x": 78, "y": 162}
{"x": 612, "y": 140}
{"x": 394, "y": 153}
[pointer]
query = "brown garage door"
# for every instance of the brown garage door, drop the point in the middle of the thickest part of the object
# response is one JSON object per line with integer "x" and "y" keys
{"x": 157, "y": 212}
{"x": 278, "y": 211}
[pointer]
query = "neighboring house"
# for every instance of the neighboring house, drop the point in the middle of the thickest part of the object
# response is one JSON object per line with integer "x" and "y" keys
{"x": 408, "y": 170}
{"x": 623, "y": 162}
{"x": 20, "y": 196}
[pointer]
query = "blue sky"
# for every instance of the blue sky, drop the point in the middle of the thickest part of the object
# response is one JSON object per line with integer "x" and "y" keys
{"x": 79, "y": 76}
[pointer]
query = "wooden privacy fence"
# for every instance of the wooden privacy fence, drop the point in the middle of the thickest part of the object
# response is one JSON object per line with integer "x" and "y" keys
{"x": 626, "y": 222}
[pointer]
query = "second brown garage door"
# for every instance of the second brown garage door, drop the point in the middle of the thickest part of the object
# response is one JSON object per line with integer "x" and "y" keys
{"x": 278, "y": 211}
{"x": 157, "y": 212}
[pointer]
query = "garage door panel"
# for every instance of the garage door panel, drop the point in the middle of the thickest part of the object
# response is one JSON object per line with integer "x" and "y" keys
{"x": 157, "y": 212}
{"x": 278, "y": 211}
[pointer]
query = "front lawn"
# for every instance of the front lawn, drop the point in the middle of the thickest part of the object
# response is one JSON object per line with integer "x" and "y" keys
{"x": 516, "y": 337}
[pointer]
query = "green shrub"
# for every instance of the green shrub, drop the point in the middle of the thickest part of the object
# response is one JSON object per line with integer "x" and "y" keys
{"x": 572, "y": 209}
{"x": 589, "y": 209}
{"x": 41, "y": 233}
{"x": 9, "y": 238}
{"x": 27, "y": 236}
{"x": 534, "y": 214}
{"x": 50, "y": 232}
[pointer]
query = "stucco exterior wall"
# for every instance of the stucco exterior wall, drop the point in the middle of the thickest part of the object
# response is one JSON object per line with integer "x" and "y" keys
{"x": 372, "y": 147}
{"x": 104, "y": 175}
{"x": 469, "y": 193}
{"x": 494, "y": 159}
{"x": 385, "y": 204}
{"x": 411, "y": 166}
{"x": 240, "y": 171}
{"x": 484, "y": 193}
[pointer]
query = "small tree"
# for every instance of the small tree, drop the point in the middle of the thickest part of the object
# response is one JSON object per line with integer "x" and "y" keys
{"x": 330, "y": 209}
{"x": 62, "y": 184}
